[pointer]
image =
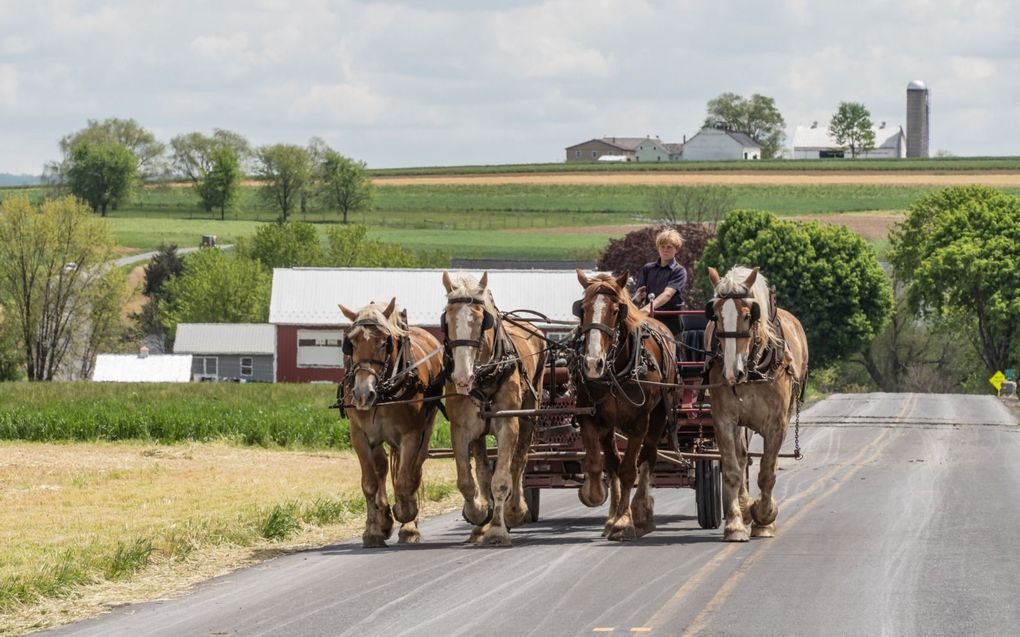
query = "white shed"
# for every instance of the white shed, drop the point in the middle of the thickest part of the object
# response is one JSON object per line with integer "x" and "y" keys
{"x": 142, "y": 368}
{"x": 717, "y": 144}
{"x": 816, "y": 142}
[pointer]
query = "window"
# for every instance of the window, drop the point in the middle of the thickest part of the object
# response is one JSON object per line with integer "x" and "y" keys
{"x": 319, "y": 348}
{"x": 208, "y": 365}
{"x": 577, "y": 154}
{"x": 594, "y": 154}
{"x": 247, "y": 366}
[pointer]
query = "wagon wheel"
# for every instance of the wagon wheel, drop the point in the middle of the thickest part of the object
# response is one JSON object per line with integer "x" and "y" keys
{"x": 533, "y": 497}
{"x": 707, "y": 493}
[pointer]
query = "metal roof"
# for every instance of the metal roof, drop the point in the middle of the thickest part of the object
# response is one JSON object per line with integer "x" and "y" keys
{"x": 806, "y": 137}
{"x": 225, "y": 338}
{"x": 132, "y": 368}
{"x": 309, "y": 296}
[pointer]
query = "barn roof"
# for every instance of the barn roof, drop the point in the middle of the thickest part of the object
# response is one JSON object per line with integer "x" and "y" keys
{"x": 805, "y": 137}
{"x": 225, "y": 338}
{"x": 309, "y": 296}
{"x": 132, "y": 368}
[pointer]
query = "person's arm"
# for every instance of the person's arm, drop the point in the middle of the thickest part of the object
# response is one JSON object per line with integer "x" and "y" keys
{"x": 641, "y": 293}
{"x": 676, "y": 285}
{"x": 663, "y": 298}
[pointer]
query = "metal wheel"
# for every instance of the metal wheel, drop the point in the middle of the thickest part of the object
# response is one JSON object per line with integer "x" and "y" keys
{"x": 533, "y": 497}
{"x": 708, "y": 493}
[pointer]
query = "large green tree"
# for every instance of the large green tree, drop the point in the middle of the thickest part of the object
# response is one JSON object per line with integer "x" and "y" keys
{"x": 757, "y": 116}
{"x": 958, "y": 251}
{"x": 343, "y": 184}
{"x": 826, "y": 275}
{"x": 216, "y": 287}
{"x": 220, "y": 186}
{"x": 147, "y": 150}
{"x": 55, "y": 284}
{"x": 286, "y": 174}
{"x": 287, "y": 245}
{"x": 192, "y": 153}
{"x": 101, "y": 173}
{"x": 851, "y": 127}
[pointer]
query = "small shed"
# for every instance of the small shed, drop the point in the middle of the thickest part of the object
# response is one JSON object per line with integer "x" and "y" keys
{"x": 244, "y": 352}
{"x": 719, "y": 145}
{"x": 142, "y": 368}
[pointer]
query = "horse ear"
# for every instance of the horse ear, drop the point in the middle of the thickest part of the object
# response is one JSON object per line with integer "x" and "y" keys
{"x": 621, "y": 280}
{"x": 713, "y": 276}
{"x": 582, "y": 279}
{"x": 484, "y": 281}
{"x": 389, "y": 308}
{"x": 751, "y": 278}
{"x": 349, "y": 314}
{"x": 447, "y": 283}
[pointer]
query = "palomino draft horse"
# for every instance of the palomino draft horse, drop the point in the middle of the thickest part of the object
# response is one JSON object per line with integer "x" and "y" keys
{"x": 626, "y": 368}
{"x": 758, "y": 368}
{"x": 390, "y": 363}
{"x": 492, "y": 365}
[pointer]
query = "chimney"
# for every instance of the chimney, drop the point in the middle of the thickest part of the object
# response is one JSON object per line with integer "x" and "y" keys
{"x": 143, "y": 352}
{"x": 814, "y": 124}
{"x": 685, "y": 139}
{"x": 883, "y": 125}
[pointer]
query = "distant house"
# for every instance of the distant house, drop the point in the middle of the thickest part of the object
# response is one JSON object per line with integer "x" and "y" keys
{"x": 142, "y": 368}
{"x": 310, "y": 328}
{"x": 716, "y": 144}
{"x": 816, "y": 142}
{"x": 228, "y": 351}
{"x": 642, "y": 149}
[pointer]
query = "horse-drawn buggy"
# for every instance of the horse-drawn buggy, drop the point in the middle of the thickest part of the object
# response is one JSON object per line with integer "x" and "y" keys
{"x": 621, "y": 406}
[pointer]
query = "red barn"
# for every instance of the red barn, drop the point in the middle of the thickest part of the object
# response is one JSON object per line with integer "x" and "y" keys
{"x": 310, "y": 327}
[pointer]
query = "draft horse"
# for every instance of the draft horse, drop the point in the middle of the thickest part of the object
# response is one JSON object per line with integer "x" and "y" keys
{"x": 624, "y": 367}
{"x": 757, "y": 368}
{"x": 394, "y": 373}
{"x": 492, "y": 365}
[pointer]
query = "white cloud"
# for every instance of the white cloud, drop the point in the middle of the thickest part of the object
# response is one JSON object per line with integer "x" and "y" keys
{"x": 338, "y": 105}
{"x": 8, "y": 85}
{"x": 973, "y": 68}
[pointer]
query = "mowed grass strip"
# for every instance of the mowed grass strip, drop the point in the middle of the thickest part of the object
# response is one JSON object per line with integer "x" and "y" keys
{"x": 86, "y": 525}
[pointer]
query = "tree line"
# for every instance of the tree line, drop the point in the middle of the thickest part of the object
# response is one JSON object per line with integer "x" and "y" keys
{"x": 104, "y": 161}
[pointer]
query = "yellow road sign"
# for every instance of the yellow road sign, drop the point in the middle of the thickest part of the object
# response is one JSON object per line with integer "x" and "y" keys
{"x": 996, "y": 380}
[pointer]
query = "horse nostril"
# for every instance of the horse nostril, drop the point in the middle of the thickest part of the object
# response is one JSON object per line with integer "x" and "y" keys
{"x": 371, "y": 396}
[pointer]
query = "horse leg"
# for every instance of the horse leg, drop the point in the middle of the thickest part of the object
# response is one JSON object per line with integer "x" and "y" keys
{"x": 764, "y": 510}
{"x": 382, "y": 465}
{"x": 507, "y": 433}
{"x": 476, "y": 507}
{"x": 623, "y": 528}
{"x": 373, "y": 537}
{"x": 483, "y": 476}
{"x": 517, "y": 508}
{"x": 592, "y": 492}
{"x": 742, "y": 439}
{"x": 726, "y": 434}
{"x": 643, "y": 504}
{"x": 406, "y": 480}
{"x": 612, "y": 460}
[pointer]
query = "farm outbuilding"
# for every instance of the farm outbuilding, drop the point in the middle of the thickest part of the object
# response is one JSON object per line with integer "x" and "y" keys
{"x": 714, "y": 144}
{"x": 816, "y": 142}
{"x": 142, "y": 368}
{"x": 229, "y": 351}
{"x": 310, "y": 327}
{"x": 640, "y": 149}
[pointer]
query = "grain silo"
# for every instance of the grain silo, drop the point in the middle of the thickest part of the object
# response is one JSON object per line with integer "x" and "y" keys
{"x": 918, "y": 107}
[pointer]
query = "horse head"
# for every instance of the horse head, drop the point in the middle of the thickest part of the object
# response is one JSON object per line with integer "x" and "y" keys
{"x": 604, "y": 311}
{"x": 735, "y": 311}
{"x": 467, "y": 324}
{"x": 371, "y": 346}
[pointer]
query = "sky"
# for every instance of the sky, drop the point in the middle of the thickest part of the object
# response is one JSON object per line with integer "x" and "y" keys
{"x": 455, "y": 82}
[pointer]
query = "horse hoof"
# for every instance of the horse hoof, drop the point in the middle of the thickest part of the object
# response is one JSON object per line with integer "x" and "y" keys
{"x": 478, "y": 519}
{"x": 409, "y": 537}
{"x": 625, "y": 534}
{"x": 516, "y": 516}
{"x": 373, "y": 541}
{"x": 405, "y": 513}
{"x": 736, "y": 536}
{"x": 768, "y": 530}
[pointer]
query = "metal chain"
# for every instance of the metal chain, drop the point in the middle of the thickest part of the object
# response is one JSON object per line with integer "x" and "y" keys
{"x": 796, "y": 433}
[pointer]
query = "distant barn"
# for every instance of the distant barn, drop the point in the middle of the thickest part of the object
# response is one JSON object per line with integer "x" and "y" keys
{"x": 228, "y": 351}
{"x": 816, "y": 142}
{"x": 716, "y": 144}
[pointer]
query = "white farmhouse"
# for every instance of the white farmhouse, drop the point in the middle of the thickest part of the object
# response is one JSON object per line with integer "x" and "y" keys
{"x": 717, "y": 144}
{"x": 816, "y": 142}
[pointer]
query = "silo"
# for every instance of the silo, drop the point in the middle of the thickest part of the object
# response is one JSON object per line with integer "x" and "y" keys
{"x": 917, "y": 119}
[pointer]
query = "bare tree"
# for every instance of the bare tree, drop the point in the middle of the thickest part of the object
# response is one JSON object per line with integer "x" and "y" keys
{"x": 707, "y": 205}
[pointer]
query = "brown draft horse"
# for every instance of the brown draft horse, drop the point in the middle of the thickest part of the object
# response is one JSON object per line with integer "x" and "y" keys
{"x": 760, "y": 358}
{"x": 493, "y": 365}
{"x": 625, "y": 367}
{"x": 390, "y": 363}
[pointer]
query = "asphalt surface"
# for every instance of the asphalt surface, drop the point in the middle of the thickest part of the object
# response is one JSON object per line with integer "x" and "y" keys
{"x": 901, "y": 520}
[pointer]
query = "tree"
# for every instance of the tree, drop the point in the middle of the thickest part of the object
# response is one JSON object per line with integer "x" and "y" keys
{"x": 283, "y": 246}
{"x": 826, "y": 275}
{"x": 286, "y": 173}
{"x": 147, "y": 151}
{"x": 11, "y": 359}
{"x": 101, "y": 174}
{"x": 691, "y": 204}
{"x": 958, "y": 251}
{"x": 191, "y": 153}
{"x": 163, "y": 266}
{"x": 344, "y": 185}
{"x": 637, "y": 248}
{"x": 221, "y": 184}
{"x": 851, "y": 126}
{"x": 54, "y": 278}
{"x": 757, "y": 117}
{"x": 348, "y": 246}
{"x": 216, "y": 287}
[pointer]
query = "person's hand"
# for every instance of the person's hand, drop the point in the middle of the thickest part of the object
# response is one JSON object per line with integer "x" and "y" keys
{"x": 641, "y": 293}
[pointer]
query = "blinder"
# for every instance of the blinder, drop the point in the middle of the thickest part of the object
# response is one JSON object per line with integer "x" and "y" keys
{"x": 710, "y": 310}
{"x": 577, "y": 309}
{"x": 348, "y": 346}
{"x": 755, "y": 312}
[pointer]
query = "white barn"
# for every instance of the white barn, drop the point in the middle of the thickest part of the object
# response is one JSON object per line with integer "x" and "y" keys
{"x": 716, "y": 144}
{"x": 816, "y": 142}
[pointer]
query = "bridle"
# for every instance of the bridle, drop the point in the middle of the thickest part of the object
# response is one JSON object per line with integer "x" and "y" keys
{"x": 755, "y": 314}
{"x": 612, "y": 332}
{"x": 368, "y": 364}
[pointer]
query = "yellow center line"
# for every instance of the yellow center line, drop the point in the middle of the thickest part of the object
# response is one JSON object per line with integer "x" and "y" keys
{"x": 666, "y": 610}
{"x": 602, "y": 630}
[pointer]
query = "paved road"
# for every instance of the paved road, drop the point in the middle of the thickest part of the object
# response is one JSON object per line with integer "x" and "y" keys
{"x": 902, "y": 520}
{"x": 146, "y": 256}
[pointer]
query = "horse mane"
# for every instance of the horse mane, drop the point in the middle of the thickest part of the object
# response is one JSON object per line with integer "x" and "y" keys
{"x": 467, "y": 286}
{"x": 733, "y": 284}
{"x": 604, "y": 281}
{"x": 374, "y": 312}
